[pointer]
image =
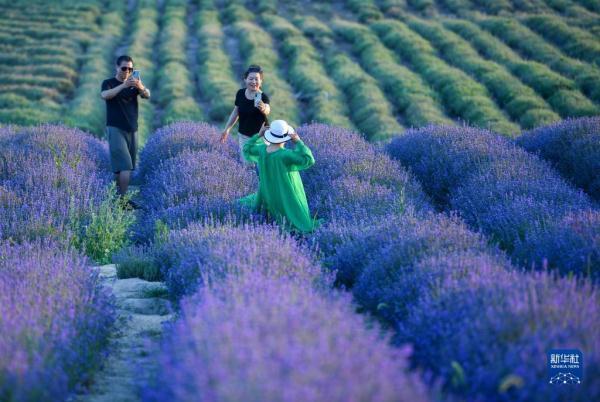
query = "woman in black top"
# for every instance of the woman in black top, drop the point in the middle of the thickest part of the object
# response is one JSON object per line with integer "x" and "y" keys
{"x": 251, "y": 114}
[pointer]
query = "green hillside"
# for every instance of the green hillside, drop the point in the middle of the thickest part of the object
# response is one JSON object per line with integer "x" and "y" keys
{"x": 378, "y": 66}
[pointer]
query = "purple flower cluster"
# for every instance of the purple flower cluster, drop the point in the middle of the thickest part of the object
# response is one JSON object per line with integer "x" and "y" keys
{"x": 51, "y": 178}
{"x": 188, "y": 176}
{"x": 475, "y": 322}
{"x": 205, "y": 253}
{"x": 486, "y": 329}
{"x": 411, "y": 269}
{"x": 60, "y": 142}
{"x": 571, "y": 244}
{"x": 54, "y": 320}
{"x": 266, "y": 326}
{"x": 497, "y": 187}
{"x": 396, "y": 247}
{"x": 169, "y": 141}
{"x": 294, "y": 349}
{"x": 573, "y": 147}
{"x": 351, "y": 180}
{"x": 192, "y": 186}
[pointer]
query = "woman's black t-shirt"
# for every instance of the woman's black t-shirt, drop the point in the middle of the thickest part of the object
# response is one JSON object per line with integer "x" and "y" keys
{"x": 251, "y": 119}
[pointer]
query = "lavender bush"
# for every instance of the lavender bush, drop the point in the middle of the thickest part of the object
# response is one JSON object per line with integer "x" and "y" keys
{"x": 66, "y": 146}
{"x": 570, "y": 245}
{"x": 398, "y": 246}
{"x": 426, "y": 275}
{"x": 573, "y": 147}
{"x": 54, "y": 320}
{"x": 401, "y": 266}
{"x": 192, "y": 186}
{"x": 169, "y": 141}
{"x": 351, "y": 180}
{"x": 235, "y": 343}
{"x": 507, "y": 201}
{"x": 43, "y": 200}
{"x": 486, "y": 330}
{"x": 204, "y": 253}
{"x": 137, "y": 261}
{"x": 494, "y": 185}
{"x": 54, "y": 184}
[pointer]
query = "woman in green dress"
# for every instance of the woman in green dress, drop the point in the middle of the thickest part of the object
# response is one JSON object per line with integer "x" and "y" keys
{"x": 280, "y": 190}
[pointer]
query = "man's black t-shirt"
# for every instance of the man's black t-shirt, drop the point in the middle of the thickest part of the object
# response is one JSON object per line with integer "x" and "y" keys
{"x": 251, "y": 119}
{"x": 122, "y": 110}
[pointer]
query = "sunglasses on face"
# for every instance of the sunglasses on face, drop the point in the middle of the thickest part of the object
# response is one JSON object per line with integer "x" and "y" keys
{"x": 130, "y": 69}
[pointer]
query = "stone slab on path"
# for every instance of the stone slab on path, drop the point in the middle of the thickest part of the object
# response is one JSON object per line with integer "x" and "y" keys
{"x": 142, "y": 310}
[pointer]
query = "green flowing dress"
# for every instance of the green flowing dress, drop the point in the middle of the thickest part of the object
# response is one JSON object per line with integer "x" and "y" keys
{"x": 280, "y": 188}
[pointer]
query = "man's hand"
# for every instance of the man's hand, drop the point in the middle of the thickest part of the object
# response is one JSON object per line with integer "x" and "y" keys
{"x": 142, "y": 90}
{"x": 131, "y": 82}
{"x": 224, "y": 136}
{"x": 294, "y": 136}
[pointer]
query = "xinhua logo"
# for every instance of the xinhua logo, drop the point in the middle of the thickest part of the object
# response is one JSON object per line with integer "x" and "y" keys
{"x": 565, "y": 366}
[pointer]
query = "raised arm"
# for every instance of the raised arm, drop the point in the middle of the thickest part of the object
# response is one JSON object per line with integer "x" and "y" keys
{"x": 251, "y": 148}
{"x": 142, "y": 90}
{"x": 299, "y": 158}
{"x": 109, "y": 93}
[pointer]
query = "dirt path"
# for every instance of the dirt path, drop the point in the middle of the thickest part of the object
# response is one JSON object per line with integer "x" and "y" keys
{"x": 141, "y": 311}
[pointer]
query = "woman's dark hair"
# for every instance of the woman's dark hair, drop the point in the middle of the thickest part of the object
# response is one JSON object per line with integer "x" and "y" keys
{"x": 123, "y": 58}
{"x": 254, "y": 68}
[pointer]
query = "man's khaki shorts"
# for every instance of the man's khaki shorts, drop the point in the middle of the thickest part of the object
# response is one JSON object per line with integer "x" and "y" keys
{"x": 122, "y": 146}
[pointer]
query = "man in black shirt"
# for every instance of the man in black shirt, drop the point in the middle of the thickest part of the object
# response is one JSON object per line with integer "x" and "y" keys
{"x": 121, "y": 93}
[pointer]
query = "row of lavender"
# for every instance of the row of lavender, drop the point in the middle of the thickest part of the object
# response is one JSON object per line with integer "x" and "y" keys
{"x": 515, "y": 198}
{"x": 573, "y": 148}
{"x": 474, "y": 321}
{"x": 259, "y": 319}
{"x": 54, "y": 316}
{"x": 472, "y": 318}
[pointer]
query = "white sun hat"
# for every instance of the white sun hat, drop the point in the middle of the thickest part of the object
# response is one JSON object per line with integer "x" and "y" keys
{"x": 279, "y": 131}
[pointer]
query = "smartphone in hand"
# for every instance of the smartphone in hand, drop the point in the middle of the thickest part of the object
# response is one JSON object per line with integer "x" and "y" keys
{"x": 257, "y": 98}
{"x": 136, "y": 74}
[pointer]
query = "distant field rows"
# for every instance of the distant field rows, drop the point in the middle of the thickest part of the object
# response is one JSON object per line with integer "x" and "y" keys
{"x": 377, "y": 66}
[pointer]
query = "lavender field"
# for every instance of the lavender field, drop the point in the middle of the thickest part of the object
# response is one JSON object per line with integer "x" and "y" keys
{"x": 456, "y": 182}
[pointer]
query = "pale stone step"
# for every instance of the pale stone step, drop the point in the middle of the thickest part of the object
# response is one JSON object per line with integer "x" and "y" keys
{"x": 138, "y": 288}
{"x": 107, "y": 271}
{"x": 142, "y": 312}
{"x": 149, "y": 306}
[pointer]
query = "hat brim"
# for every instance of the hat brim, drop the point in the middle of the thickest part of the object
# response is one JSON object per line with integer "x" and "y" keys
{"x": 277, "y": 140}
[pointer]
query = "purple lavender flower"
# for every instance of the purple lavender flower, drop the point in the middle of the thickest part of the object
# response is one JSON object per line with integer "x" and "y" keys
{"x": 260, "y": 337}
{"x": 193, "y": 186}
{"x": 494, "y": 185}
{"x": 54, "y": 321}
{"x": 75, "y": 147}
{"x": 570, "y": 245}
{"x": 352, "y": 180}
{"x": 485, "y": 330}
{"x": 395, "y": 248}
{"x": 53, "y": 178}
{"x": 167, "y": 142}
{"x": 204, "y": 253}
{"x": 573, "y": 147}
